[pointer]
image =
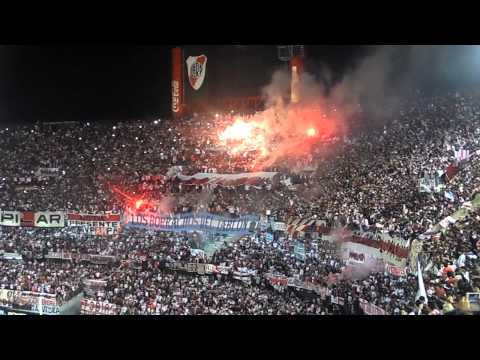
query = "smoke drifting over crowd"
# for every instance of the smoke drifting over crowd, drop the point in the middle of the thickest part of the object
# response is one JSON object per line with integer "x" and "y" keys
{"x": 390, "y": 74}
{"x": 285, "y": 129}
{"x": 373, "y": 88}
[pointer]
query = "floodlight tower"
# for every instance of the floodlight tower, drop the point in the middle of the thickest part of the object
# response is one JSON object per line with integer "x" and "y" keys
{"x": 293, "y": 55}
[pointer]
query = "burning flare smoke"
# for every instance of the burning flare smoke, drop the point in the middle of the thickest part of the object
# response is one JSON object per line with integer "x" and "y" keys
{"x": 283, "y": 131}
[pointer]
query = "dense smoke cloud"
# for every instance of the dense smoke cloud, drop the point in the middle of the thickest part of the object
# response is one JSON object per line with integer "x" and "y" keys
{"x": 390, "y": 74}
{"x": 366, "y": 85}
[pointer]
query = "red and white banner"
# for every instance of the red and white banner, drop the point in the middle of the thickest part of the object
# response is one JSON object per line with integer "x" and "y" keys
{"x": 396, "y": 270}
{"x": 371, "y": 309}
{"x": 92, "y": 307}
{"x": 196, "y": 69}
{"x": 72, "y": 217}
{"x": 31, "y": 298}
{"x": 49, "y": 219}
{"x": 10, "y": 218}
{"x": 277, "y": 280}
{"x": 373, "y": 249}
{"x": 95, "y": 224}
{"x": 227, "y": 179}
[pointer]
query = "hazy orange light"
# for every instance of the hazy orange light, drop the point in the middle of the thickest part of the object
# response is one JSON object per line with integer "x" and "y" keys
{"x": 138, "y": 204}
{"x": 240, "y": 130}
{"x": 311, "y": 132}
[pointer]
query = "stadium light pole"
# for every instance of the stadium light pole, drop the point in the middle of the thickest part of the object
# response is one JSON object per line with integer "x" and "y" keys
{"x": 293, "y": 56}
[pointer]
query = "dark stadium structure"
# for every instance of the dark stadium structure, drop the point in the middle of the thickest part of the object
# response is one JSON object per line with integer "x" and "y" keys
{"x": 233, "y": 77}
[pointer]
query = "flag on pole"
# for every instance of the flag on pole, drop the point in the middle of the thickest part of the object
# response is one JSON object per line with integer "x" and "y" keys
{"x": 421, "y": 286}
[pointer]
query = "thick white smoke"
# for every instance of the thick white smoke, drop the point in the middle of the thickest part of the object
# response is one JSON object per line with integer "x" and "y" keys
{"x": 380, "y": 81}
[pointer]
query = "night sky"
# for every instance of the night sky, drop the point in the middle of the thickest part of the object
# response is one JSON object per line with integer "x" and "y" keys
{"x": 106, "y": 82}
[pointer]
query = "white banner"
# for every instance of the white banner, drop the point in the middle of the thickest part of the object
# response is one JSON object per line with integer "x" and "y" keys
{"x": 9, "y": 295}
{"x": 10, "y": 218}
{"x": 39, "y": 302}
{"x": 279, "y": 226}
{"x": 43, "y": 309}
{"x": 95, "y": 224}
{"x": 92, "y": 307}
{"x": 49, "y": 219}
{"x": 193, "y": 222}
{"x": 47, "y": 172}
{"x": 10, "y": 256}
{"x": 226, "y": 179}
{"x": 462, "y": 154}
{"x": 59, "y": 255}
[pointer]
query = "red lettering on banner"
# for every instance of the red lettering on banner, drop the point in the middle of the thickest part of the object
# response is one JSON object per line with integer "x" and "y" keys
{"x": 28, "y": 218}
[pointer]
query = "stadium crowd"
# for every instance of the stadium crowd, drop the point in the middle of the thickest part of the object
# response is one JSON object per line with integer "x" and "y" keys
{"x": 368, "y": 182}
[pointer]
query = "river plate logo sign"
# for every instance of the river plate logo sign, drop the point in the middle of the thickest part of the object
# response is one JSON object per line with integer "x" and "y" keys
{"x": 196, "y": 66}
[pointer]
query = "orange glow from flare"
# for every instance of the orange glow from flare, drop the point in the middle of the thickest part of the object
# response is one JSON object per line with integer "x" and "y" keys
{"x": 240, "y": 130}
{"x": 244, "y": 136}
{"x": 138, "y": 204}
{"x": 285, "y": 132}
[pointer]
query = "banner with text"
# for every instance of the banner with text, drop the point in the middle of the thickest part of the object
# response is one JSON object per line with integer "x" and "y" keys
{"x": 92, "y": 307}
{"x": 10, "y": 218}
{"x": 371, "y": 309}
{"x": 49, "y": 219}
{"x": 227, "y": 179}
{"x": 194, "y": 222}
{"x": 95, "y": 224}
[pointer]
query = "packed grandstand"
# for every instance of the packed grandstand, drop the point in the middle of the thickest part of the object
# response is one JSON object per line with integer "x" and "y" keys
{"x": 156, "y": 218}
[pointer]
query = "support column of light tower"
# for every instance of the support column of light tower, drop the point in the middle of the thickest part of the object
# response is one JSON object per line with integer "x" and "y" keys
{"x": 293, "y": 56}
